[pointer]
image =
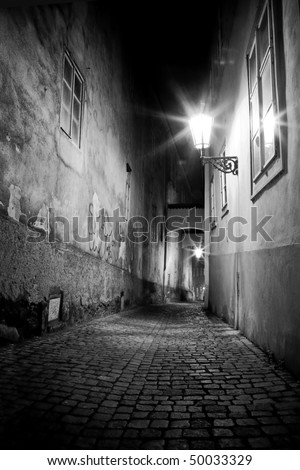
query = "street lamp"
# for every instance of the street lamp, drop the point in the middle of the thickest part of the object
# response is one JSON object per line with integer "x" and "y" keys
{"x": 198, "y": 252}
{"x": 200, "y": 126}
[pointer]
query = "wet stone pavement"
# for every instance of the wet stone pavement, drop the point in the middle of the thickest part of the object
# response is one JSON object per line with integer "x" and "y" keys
{"x": 158, "y": 377}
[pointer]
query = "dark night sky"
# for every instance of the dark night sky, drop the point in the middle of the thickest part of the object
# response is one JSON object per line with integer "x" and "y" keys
{"x": 170, "y": 40}
{"x": 170, "y": 43}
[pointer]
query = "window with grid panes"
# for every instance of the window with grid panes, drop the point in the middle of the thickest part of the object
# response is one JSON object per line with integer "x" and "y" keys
{"x": 263, "y": 99}
{"x": 72, "y": 99}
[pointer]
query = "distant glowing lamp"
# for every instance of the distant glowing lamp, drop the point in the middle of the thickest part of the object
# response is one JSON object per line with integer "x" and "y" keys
{"x": 201, "y": 126}
{"x": 198, "y": 253}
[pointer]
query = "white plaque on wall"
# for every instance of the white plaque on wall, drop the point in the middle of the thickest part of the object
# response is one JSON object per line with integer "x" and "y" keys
{"x": 54, "y": 308}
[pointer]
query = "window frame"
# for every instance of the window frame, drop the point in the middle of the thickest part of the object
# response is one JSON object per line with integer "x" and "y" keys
{"x": 73, "y": 97}
{"x": 274, "y": 165}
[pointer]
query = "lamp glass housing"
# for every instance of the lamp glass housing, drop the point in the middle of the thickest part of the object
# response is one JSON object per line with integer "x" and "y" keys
{"x": 201, "y": 126}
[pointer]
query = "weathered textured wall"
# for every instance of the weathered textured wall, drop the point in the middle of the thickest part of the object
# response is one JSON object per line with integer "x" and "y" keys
{"x": 41, "y": 169}
{"x": 264, "y": 302}
{"x": 33, "y": 270}
{"x": 254, "y": 284}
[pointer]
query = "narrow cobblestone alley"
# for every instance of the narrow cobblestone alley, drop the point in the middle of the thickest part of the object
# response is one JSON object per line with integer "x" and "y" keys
{"x": 157, "y": 377}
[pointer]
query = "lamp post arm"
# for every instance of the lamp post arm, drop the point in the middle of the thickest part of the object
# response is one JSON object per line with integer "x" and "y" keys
{"x": 226, "y": 164}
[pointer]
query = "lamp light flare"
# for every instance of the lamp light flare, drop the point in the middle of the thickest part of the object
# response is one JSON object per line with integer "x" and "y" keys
{"x": 201, "y": 126}
{"x": 198, "y": 253}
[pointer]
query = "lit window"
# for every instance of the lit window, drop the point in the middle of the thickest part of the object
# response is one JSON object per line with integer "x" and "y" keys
{"x": 263, "y": 100}
{"x": 72, "y": 99}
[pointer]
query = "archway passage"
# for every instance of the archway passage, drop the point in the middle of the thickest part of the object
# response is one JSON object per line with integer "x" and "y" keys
{"x": 185, "y": 228}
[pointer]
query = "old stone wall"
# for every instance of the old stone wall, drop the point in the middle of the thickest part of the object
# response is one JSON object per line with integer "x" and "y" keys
{"x": 64, "y": 193}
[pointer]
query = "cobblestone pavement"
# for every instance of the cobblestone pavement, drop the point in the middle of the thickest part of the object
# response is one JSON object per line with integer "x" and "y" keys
{"x": 158, "y": 377}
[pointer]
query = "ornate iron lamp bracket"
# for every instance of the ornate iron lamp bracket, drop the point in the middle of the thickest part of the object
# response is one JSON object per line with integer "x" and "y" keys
{"x": 224, "y": 164}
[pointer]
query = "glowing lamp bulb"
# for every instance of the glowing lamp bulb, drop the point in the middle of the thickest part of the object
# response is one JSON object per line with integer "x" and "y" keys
{"x": 198, "y": 253}
{"x": 200, "y": 127}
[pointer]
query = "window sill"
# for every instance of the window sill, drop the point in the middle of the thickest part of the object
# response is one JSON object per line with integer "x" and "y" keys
{"x": 267, "y": 178}
{"x": 70, "y": 138}
{"x": 70, "y": 154}
{"x": 225, "y": 211}
{"x": 264, "y": 169}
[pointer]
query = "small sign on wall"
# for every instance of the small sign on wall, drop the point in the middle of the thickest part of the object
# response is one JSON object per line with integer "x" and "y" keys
{"x": 54, "y": 307}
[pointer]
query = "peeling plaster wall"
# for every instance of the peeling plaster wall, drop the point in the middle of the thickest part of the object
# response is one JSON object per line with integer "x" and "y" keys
{"x": 33, "y": 270}
{"x": 255, "y": 284}
{"x": 43, "y": 175}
